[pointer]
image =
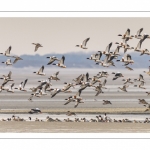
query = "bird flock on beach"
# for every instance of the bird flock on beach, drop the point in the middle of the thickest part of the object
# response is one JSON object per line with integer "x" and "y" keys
{"x": 97, "y": 82}
{"x": 98, "y": 118}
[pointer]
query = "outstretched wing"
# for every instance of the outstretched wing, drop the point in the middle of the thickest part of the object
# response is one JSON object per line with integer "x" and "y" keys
{"x": 41, "y": 69}
{"x": 127, "y": 33}
{"x": 139, "y": 44}
{"x": 129, "y": 57}
{"x": 62, "y": 60}
{"x": 79, "y": 92}
{"x": 85, "y": 41}
{"x": 104, "y": 83}
{"x": 25, "y": 83}
{"x": 9, "y": 74}
{"x": 141, "y": 77}
{"x": 8, "y": 50}
{"x": 98, "y": 56}
{"x": 139, "y": 31}
{"x": 108, "y": 47}
{"x": 117, "y": 50}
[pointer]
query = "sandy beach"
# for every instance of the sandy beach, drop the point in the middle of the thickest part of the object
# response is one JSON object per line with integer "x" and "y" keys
{"x": 71, "y": 127}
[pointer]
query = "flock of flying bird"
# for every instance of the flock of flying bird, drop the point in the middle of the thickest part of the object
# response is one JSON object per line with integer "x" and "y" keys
{"x": 83, "y": 80}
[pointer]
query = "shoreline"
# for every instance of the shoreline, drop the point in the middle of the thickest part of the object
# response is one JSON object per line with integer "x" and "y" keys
{"x": 81, "y": 110}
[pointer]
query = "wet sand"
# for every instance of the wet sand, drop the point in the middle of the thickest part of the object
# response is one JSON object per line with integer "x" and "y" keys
{"x": 71, "y": 127}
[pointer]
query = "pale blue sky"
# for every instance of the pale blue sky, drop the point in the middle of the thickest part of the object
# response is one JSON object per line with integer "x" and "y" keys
{"x": 60, "y": 35}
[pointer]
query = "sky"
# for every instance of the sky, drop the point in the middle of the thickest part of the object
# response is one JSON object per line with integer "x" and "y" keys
{"x": 60, "y": 35}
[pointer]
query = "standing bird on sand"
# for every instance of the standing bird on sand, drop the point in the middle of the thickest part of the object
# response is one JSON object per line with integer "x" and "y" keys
{"x": 37, "y": 45}
{"x": 83, "y": 44}
{"x": 40, "y": 72}
{"x": 61, "y": 63}
{"x": 69, "y": 113}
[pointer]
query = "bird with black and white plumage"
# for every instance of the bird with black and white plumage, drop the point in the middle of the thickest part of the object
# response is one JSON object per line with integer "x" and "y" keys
{"x": 107, "y": 61}
{"x": 35, "y": 110}
{"x": 67, "y": 86}
{"x": 7, "y": 62}
{"x": 7, "y": 52}
{"x": 69, "y": 99}
{"x": 143, "y": 51}
{"x": 127, "y": 59}
{"x": 78, "y": 101}
{"x": 78, "y": 79}
{"x": 96, "y": 57}
{"x": 145, "y": 36}
{"x": 127, "y": 35}
{"x": 3, "y": 84}
{"x": 61, "y": 63}
{"x": 116, "y": 52}
{"x": 10, "y": 88}
{"x": 54, "y": 76}
{"x": 83, "y": 44}
{"x": 52, "y": 59}
{"x": 138, "y": 34}
{"x": 55, "y": 92}
{"x": 107, "y": 50}
{"x": 127, "y": 47}
{"x": 103, "y": 74}
{"x": 95, "y": 79}
{"x": 40, "y": 72}
{"x": 7, "y": 77}
{"x": 22, "y": 86}
{"x": 141, "y": 78}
